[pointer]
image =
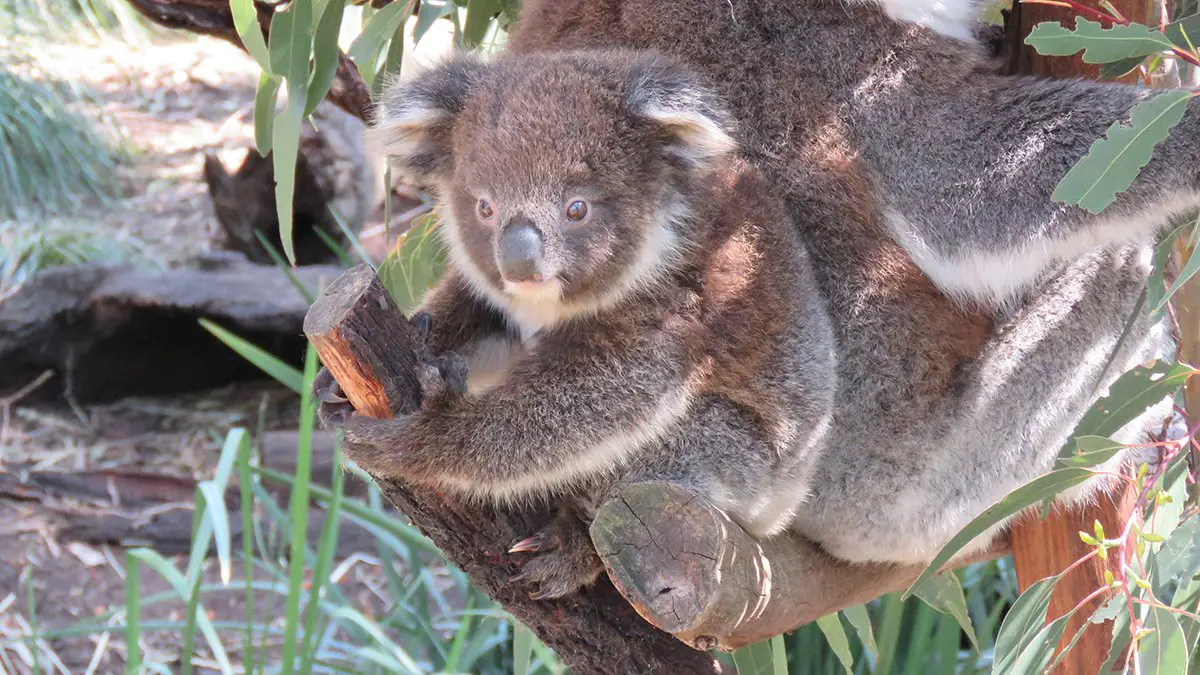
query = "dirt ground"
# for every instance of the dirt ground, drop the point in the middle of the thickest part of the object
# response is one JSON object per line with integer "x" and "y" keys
{"x": 171, "y": 100}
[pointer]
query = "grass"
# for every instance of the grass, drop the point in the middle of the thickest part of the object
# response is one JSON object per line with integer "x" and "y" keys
{"x": 27, "y": 246}
{"x": 52, "y": 159}
{"x": 73, "y": 20}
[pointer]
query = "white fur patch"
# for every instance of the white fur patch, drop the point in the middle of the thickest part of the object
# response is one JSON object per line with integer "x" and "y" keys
{"x": 490, "y": 361}
{"x": 996, "y": 278}
{"x": 702, "y": 137}
{"x": 601, "y": 458}
{"x": 953, "y": 18}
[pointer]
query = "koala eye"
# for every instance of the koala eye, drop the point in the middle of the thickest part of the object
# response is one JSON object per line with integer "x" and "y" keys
{"x": 577, "y": 210}
{"x": 485, "y": 209}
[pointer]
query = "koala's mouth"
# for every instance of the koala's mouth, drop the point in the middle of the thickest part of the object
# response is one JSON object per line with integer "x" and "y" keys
{"x": 548, "y": 290}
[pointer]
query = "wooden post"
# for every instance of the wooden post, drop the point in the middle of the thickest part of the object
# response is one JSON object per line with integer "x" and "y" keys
{"x": 1043, "y": 548}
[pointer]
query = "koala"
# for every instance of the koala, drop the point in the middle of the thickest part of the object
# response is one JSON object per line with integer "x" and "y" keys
{"x": 628, "y": 296}
{"x": 975, "y": 319}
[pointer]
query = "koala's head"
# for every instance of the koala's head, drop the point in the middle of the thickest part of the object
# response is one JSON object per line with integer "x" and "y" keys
{"x": 563, "y": 178}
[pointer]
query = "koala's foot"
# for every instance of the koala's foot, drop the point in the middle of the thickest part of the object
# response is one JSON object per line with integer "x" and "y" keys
{"x": 333, "y": 408}
{"x": 564, "y": 558}
{"x": 443, "y": 375}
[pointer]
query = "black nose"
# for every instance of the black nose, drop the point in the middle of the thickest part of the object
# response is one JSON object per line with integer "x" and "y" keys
{"x": 520, "y": 252}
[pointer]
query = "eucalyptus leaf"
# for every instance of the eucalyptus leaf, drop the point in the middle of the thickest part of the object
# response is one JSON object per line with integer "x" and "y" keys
{"x": 1099, "y": 44}
{"x": 944, "y": 593}
{"x": 835, "y": 634}
{"x": 1111, "y": 71}
{"x": 245, "y": 22}
{"x": 755, "y": 659}
{"x": 1179, "y": 558}
{"x": 1112, "y": 163}
{"x": 430, "y": 11}
{"x": 1089, "y": 451}
{"x": 264, "y": 112}
{"x": 1165, "y": 649}
{"x": 1190, "y": 268}
{"x": 285, "y": 148}
{"x": 325, "y": 54}
{"x": 1039, "y": 489}
{"x": 479, "y": 17}
{"x": 860, "y": 620}
{"x": 1022, "y": 623}
{"x": 364, "y": 51}
{"x": 1130, "y": 395}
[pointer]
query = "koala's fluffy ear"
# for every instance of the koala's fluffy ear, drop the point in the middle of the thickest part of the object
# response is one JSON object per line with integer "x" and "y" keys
{"x": 414, "y": 120}
{"x": 694, "y": 123}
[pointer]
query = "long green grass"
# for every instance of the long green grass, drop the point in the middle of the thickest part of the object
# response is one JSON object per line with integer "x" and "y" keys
{"x": 73, "y": 20}
{"x": 52, "y": 159}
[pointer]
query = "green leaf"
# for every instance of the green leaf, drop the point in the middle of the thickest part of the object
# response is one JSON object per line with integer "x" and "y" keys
{"x": 1112, "y": 163}
{"x": 383, "y": 25}
{"x": 1120, "y": 640}
{"x": 1130, "y": 395}
{"x": 430, "y": 11}
{"x": 214, "y": 510}
{"x": 283, "y": 373}
{"x": 860, "y": 620}
{"x": 1022, "y": 623}
{"x": 1036, "y": 655}
{"x": 835, "y": 635}
{"x": 522, "y": 648}
{"x": 1099, "y": 44}
{"x": 479, "y": 17}
{"x": 1175, "y": 32}
{"x": 291, "y": 43}
{"x": 167, "y": 571}
{"x": 245, "y": 22}
{"x": 325, "y": 54}
{"x": 1179, "y": 557}
{"x": 264, "y": 112}
{"x": 755, "y": 659}
{"x": 298, "y": 506}
{"x": 1111, "y": 71}
{"x": 1156, "y": 284}
{"x": 1037, "y": 490}
{"x": 944, "y": 593}
{"x": 1189, "y": 270}
{"x": 1089, "y": 451}
{"x": 779, "y": 655}
{"x": 415, "y": 266}
{"x": 285, "y": 147}
{"x": 1165, "y": 650}
{"x": 291, "y": 46}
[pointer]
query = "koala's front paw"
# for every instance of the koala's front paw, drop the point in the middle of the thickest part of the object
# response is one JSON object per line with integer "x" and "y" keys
{"x": 564, "y": 558}
{"x": 333, "y": 408}
{"x": 376, "y": 446}
{"x": 444, "y": 376}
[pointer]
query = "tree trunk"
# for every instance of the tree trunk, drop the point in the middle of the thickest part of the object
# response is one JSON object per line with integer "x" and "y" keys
{"x": 1043, "y": 548}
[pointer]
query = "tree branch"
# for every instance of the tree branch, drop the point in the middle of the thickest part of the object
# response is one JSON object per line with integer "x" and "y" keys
{"x": 212, "y": 17}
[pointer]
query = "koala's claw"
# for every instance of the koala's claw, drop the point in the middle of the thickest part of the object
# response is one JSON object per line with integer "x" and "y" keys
{"x": 564, "y": 559}
{"x": 422, "y": 322}
{"x": 529, "y": 544}
{"x": 334, "y": 407}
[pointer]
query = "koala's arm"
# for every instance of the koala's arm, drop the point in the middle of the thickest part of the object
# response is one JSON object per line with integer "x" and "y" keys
{"x": 965, "y": 175}
{"x": 574, "y": 406}
{"x": 458, "y": 320}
